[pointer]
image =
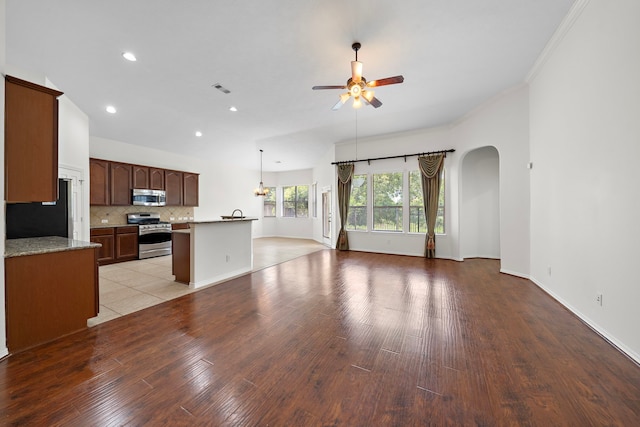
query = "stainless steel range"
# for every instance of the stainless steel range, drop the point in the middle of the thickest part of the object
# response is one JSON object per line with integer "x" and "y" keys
{"x": 154, "y": 236}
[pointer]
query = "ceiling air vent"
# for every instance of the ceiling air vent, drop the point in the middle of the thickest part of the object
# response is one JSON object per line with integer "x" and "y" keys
{"x": 221, "y": 88}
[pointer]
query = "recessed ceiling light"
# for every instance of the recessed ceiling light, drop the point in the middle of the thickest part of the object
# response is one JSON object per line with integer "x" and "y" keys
{"x": 198, "y": 133}
{"x": 111, "y": 109}
{"x": 232, "y": 108}
{"x": 129, "y": 56}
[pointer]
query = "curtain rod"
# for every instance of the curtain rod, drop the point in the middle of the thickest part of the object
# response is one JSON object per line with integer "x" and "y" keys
{"x": 451, "y": 150}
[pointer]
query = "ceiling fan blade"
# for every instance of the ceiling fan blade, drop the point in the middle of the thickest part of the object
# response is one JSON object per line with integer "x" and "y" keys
{"x": 370, "y": 99}
{"x": 341, "y": 101}
{"x": 387, "y": 81}
{"x": 328, "y": 87}
{"x": 356, "y": 71}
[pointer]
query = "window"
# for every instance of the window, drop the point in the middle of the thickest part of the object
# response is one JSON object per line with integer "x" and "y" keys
{"x": 417, "y": 220}
{"x": 295, "y": 201}
{"x": 269, "y": 203}
{"x": 387, "y": 201}
{"x": 357, "y": 217}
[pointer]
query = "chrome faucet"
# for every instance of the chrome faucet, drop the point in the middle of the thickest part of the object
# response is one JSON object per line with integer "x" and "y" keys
{"x": 234, "y": 213}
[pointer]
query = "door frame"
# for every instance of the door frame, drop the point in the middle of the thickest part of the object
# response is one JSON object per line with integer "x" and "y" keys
{"x": 327, "y": 213}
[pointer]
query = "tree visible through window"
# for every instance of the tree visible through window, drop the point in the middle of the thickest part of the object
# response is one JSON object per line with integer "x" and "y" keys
{"x": 269, "y": 203}
{"x": 387, "y": 201}
{"x": 417, "y": 220}
{"x": 357, "y": 218}
{"x": 295, "y": 201}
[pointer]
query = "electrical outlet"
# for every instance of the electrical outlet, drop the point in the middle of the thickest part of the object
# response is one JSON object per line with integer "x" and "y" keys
{"x": 599, "y": 299}
{"x": 105, "y": 221}
{"x": 173, "y": 218}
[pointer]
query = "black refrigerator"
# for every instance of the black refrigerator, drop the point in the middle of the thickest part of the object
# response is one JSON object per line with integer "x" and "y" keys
{"x": 40, "y": 219}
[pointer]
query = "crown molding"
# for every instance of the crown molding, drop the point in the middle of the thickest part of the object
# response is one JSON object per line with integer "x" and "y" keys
{"x": 556, "y": 39}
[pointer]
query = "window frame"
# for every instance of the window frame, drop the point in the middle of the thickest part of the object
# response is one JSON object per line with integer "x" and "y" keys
{"x": 296, "y": 201}
{"x": 406, "y": 201}
{"x": 265, "y": 202}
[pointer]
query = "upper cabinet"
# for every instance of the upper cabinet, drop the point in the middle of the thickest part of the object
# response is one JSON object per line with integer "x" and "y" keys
{"x": 112, "y": 182}
{"x": 120, "y": 182}
{"x": 99, "y": 182}
{"x": 173, "y": 186}
{"x": 190, "y": 189}
{"x": 31, "y": 142}
{"x": 156, "y": 179}
{"x": 140, "y": 177}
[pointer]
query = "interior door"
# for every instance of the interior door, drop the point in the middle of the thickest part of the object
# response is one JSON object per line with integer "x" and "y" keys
{"x": 74, "y": 179}
{"x": 326, "y": 216}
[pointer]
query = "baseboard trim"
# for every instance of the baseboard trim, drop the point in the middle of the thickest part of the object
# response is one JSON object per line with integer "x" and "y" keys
{"x": 592, "y": 325}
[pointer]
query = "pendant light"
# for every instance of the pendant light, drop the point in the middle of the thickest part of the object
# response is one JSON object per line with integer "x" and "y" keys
{"x": 261, "y": 190}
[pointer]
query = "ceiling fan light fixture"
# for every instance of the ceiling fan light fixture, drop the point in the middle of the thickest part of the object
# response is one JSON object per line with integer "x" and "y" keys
{"x": 368, "y": 95}
{"x": 356, "y": 71}
{"x": 355, "y": 91}
{"x": 357, "y": 103}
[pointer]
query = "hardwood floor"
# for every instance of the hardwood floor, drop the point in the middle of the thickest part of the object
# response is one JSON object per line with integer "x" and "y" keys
{"x": 333, "y": 338}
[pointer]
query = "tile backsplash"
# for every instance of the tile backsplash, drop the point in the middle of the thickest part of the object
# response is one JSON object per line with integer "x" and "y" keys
{"x": 117, "y": 215}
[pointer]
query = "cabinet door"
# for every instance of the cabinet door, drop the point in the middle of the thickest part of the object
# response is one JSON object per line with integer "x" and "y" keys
{"x": 190, "y": 189}
{"x": 173, "y": 187}
{"x": 31, "y": 142}
{"x": 156, "y": 178}
{"x": 126, "y": 243}
{"x": 120, "y": 182}
{"x": 140, "y": 177}
{"x": 104, "y": 236}
{"x": 99, "y": 182}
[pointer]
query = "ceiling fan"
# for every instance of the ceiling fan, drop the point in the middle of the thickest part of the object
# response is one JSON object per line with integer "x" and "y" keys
{"x": 357, "y": 85}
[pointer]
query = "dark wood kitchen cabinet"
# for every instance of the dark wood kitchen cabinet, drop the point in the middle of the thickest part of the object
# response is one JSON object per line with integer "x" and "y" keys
{"x": 190, "y": 189}
{"x": 31, "y": 142}
{"x": 140, "y": 176}
{"x": 126, "y": 243}
{"x": 156, "y": 179}
{"x": 173, "y": 186}
{"x": 99, "y": 182}
{"x": 120, "y": 183}
{"x": 106, "y": 237}
{"x": 111, "y": 183}
{"x": 118, "y": 243}
{"x": 49, "y": 295}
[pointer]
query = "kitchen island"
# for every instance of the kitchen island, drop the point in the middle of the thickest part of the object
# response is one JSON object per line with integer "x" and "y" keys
{"x": 51, "y": 286}
{"x": 209, "y": 252}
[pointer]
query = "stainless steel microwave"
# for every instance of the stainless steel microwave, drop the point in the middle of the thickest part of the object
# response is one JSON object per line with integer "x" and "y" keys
{"x": 141, "y": 197}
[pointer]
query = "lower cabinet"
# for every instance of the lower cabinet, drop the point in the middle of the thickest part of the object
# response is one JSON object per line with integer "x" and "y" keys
{"x": 118, "y": 243}
{"x": 126, "y": 243}
{"x": 104, "y": 236}
{"x": 49, "y": 295}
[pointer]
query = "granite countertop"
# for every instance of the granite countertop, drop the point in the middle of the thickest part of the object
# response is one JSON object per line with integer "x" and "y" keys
{"x": 224, "y": 220}
{"x": 42, "y": 245}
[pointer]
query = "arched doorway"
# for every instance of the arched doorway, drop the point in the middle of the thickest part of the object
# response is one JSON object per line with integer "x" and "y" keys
{"x": 480, "y": 204}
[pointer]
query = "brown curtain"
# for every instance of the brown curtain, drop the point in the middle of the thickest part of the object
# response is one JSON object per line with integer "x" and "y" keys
{"x": 430, "y": 167}
{"x": 345, "y": 173}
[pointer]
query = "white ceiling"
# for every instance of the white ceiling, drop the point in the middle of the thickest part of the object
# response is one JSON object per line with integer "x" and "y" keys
{"x": 453, "y": 54}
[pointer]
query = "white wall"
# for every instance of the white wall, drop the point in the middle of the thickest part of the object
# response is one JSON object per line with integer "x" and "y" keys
{"x": 502, "y": 123}
{"x": 324, "y": 176}
{"x": 3, "y": 319}
{"x": 480, "y": 204}
{"x": 221, "y": 188}
{"x": 73, "y": 150}
{"x": 299, "y": 228}
{"x": 585, "y": 133}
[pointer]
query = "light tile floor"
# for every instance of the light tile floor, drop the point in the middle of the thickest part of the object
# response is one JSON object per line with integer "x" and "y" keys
{"x": 131, "y": 286}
